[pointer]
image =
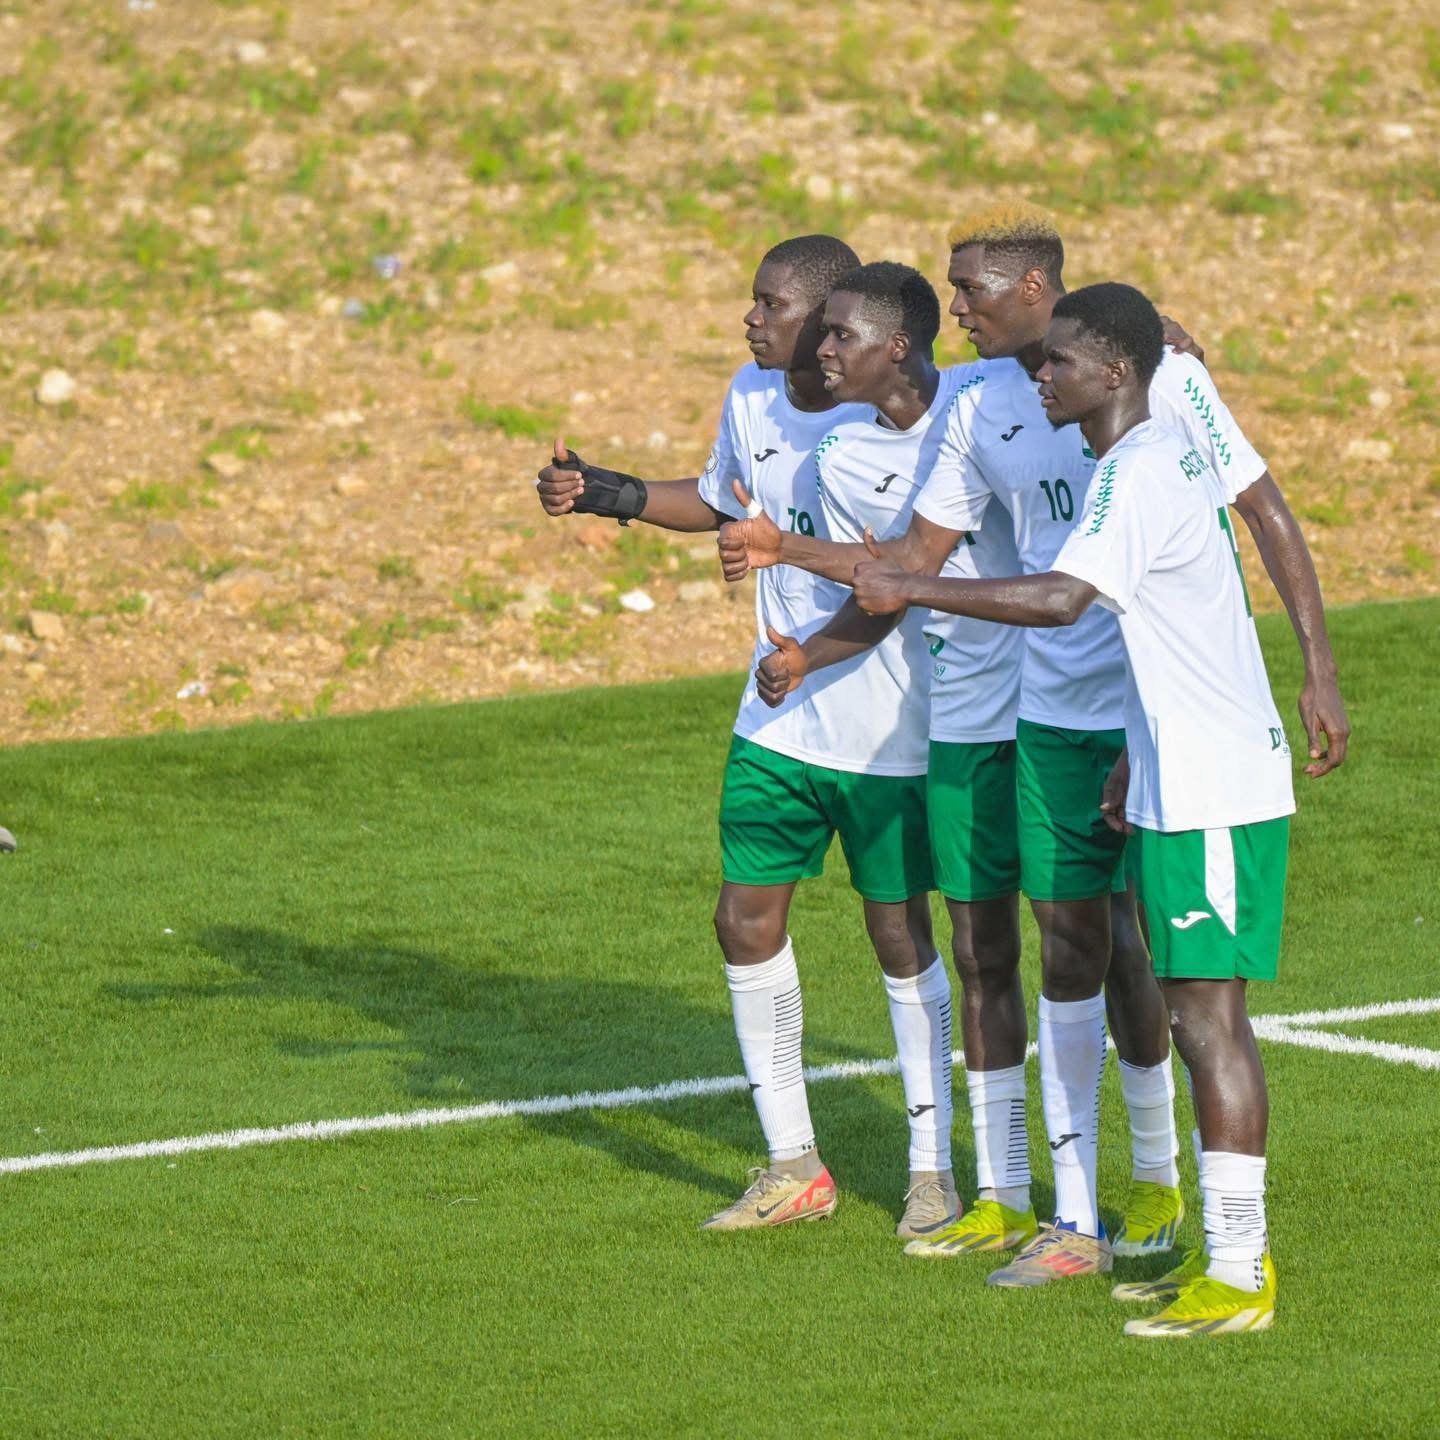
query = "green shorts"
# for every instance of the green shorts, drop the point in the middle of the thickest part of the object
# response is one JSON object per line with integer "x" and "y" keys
{"x": 1067, "y": 851}
{"x": 778, "y": 816}
{"x": 1215, "y": 899}
{"x": 974, "y": 835}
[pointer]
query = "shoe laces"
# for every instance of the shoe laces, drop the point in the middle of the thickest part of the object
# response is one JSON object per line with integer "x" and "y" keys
{"x": 1148, "y": 1208}
{"x": 931, "y": 1188}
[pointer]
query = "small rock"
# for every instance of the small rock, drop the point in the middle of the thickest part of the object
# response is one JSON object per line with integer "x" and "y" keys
{"x": 191, "y": 690}
{"x": 989, "y": 117}
{"x": 251, "y": 52}
{"x": 353, "y": 309}
{"x": 355, "y": 100}
{"x": 1396, "y": 132}
{"x": 328, "y": 304}
{"x": 1374, "y": 452}
{"x": 581, "y": 397}
{"x": 637, "y": 602}
{"x": 699, "y": 592}
{"x": 267, "y": 324}
{"x": 55, "y": 388}
{"x": 12, "y": 644}
{"x": 819, "y": 187}
{"x": 349, "y": 485}
{"x": 165, "y": 535}
{"x": 224, "y": 464}
{"x": 533, "y": 599}
{"x": 387, "y": 267}
{"x": 343, "y": 419}
{"x": 240, "y": 588}
{"x": 46, "y": 626}
{"x": 1379, "y": 399}
{"x": 497, "y": 274}
{"x": 657, "y": 440}
{"x": 598, "y": 536}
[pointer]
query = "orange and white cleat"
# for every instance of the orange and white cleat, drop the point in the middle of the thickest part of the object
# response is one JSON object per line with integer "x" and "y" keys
{"x": 773, "y": 1198}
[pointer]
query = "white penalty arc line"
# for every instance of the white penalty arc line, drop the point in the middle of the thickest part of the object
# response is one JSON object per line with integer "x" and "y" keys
{"x": 1286, "y": 1029}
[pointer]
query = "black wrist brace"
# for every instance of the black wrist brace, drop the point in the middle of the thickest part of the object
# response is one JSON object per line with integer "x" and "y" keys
{"x": 607, "y": 492}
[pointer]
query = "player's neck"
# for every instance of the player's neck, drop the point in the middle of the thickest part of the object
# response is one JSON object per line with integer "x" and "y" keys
{"x": 911, "y": 395}
{"x": 1032, "y": 353}
{"x": 1108, "y": 426}
{"x": 805, "y": 390}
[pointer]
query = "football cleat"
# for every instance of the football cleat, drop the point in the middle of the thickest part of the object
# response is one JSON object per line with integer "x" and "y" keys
{"x": 773, "y": 1198}
{"x": 1210, "y": 1307}
{"x": 1055, "y": 1254}
{"x": 931, "y": 1203}
{"x": 989, "y": 1225}
{"x": 1152, "y": 1215}
{"x": 1166, "y": 1287}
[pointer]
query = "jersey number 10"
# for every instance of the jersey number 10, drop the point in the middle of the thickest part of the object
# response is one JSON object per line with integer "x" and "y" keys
{"x": 1062, "y": 502}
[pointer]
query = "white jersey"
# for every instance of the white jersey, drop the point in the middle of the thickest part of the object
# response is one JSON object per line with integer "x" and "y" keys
{"x": 870, "y": 474}
{"x": 865, "y": 715}
{"x": 999, "y": 443}
{"x": 1207, "y": 749}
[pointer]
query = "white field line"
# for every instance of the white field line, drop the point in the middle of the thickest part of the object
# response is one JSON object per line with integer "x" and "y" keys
{"x": 1286, "y": 1029}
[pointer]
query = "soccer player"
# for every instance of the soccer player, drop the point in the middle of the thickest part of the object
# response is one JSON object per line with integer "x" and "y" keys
{"x": 1207, "y": 765}
{"x": 880, "y": 323}
{"x": 850, "y": 757}
{"x": 1006, "y": 269}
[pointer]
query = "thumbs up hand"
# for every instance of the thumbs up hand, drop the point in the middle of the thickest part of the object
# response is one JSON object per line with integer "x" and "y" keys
{"x": 560, "y": 483}
{"x": 782, "y": 670}
{"x": 751, "y": 544}
{"x": 881, "y": 586}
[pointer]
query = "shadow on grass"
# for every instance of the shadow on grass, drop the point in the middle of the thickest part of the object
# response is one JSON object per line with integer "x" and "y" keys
{"x": 464, "y": 1036}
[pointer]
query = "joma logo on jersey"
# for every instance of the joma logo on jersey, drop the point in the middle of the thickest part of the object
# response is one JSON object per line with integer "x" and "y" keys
{"x": 936, "y": 643}
{"x": 1192, "y": 467}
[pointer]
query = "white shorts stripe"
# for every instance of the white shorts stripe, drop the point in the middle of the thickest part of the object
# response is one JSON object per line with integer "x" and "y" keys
{"x": 1220, "y": 876}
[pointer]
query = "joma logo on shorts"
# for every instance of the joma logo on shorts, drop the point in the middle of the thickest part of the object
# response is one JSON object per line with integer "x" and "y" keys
{"x": 1277, "y": 739}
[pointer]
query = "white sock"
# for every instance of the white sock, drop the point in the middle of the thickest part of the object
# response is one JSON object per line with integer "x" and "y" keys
{"x": 1072, "y": 1056}
{"x": 1150, "y": 1099}
{"x": 1002, "y": 1145}
{"x": 1232, "y": 1190}
{"x": 920, "y": 1015}
{"x": 769, "y": 1019}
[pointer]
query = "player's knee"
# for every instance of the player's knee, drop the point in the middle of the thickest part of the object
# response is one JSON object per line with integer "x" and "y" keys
{"x": 1076, "y": 958}
{"x": 748, "y": 934}
{"x": 985, "y": 964}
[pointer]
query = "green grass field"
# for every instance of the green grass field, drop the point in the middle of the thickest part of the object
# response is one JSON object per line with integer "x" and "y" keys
{"x": 445, "y": 906}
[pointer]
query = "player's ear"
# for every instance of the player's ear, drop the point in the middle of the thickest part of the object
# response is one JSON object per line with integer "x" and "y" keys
{"x": 1034, "y": 285}
{"x": 1116, "y": 372}
{"x": 899, "y": 347}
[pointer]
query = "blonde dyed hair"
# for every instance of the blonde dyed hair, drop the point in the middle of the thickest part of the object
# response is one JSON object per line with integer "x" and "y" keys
{"x": 1010, "y": 220}
{"x": 1017, "y": 230}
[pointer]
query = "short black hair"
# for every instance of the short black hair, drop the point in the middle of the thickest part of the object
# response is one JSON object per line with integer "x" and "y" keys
{"x": 1021, "y": 234}
{"x": 903, "y": 295}
{"x": 1122, "y": 319}
{"x": 816, "y": 261}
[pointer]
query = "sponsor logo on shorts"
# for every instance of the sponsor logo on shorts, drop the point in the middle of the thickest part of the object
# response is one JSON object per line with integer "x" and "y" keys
{"x": 1193, "y": 918}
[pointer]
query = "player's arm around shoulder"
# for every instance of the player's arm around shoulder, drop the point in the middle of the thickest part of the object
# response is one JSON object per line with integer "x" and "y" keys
{"x": 1288, "y": 562}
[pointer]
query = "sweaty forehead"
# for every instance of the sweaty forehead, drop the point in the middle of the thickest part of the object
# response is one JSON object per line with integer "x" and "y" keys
{"x": 1069, "y": 335}
{"x": 975, "y": 265}
{"x": 775, "y": 277}
{"x": 844, "y": 307}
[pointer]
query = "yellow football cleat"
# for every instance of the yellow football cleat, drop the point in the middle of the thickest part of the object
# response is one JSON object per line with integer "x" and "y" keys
{"x": 989, "y": 1226}
{"x": 1210, "y": 1307}
{"x": 931, "y": 1203}
{"x": 775, "y": 1199}
{"x": 1167, "y": 1286}
{"x": 1055, "y": 1254}
{"x": 1152, "y": 1216}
